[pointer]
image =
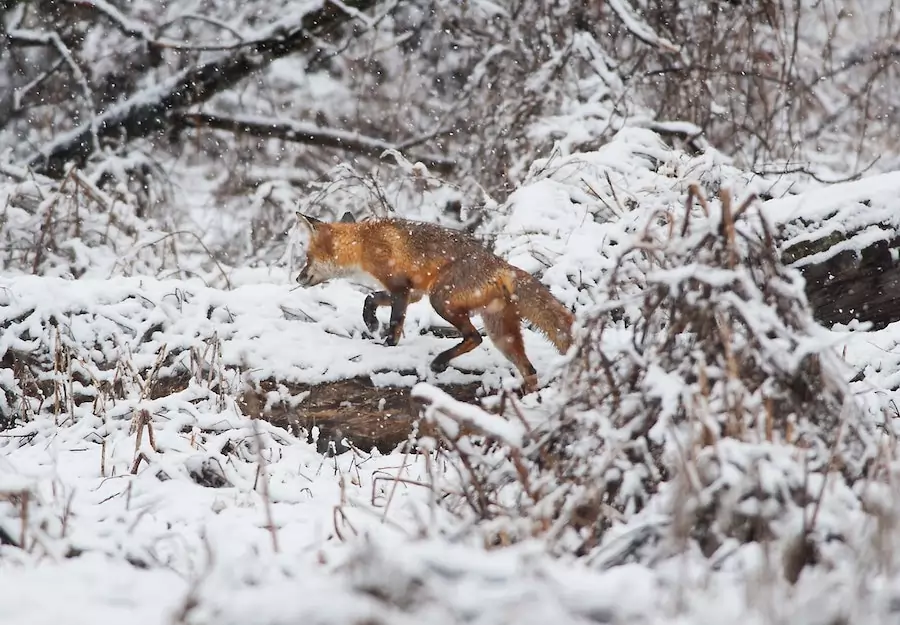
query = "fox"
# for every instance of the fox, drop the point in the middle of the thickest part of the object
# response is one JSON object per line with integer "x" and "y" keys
{"x": 461, "y": 277}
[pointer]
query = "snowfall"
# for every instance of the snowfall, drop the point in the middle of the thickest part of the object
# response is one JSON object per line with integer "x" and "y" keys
{"x": 226, "y": 519}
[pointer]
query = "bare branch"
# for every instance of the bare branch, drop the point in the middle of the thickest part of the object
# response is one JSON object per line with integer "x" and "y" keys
{"x": 858, "y": 58}
{"x": 301, "y": 132}
{"x": 205, "y": 19}
{"x": 353, "y": 13}
{"x": 127, "y": 25}
{"x": 135, "y": 28}
{"x": 24, "y": 90}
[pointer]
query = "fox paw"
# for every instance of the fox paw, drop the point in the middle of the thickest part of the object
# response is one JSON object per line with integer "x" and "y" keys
{"x": 438, "y": 365}
{"x": 382, "y": 336}
{"x": 390, "y": 337}
{"x": 529, "y": 385}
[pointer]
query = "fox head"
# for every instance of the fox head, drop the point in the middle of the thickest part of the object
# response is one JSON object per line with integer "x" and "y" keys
{"x": 325, "y": 256}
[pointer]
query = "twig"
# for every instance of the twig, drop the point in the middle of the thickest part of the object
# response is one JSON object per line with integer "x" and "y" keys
{"x": 135, "y": 28}
{"x": 142, "y": 420}
{"x": 390, "y": 498}
{"x": 799, "y": 169}
{"x": 353, "y": 12}
{"x": 190, "y": 234}
{"x": 22, "y": 91}
{"x": 202, "y": 18}
{"x": 263, "y": 473}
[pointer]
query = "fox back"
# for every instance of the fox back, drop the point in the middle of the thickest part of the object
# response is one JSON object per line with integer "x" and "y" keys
{"x": 396, "y": 252}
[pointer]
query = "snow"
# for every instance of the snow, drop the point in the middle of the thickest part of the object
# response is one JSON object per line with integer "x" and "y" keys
{"x": 862, "y": 212}
{"x": 819, "y": 204}
{"x": 440, "y": 405}
{"x": 229, "y": 519}
{"x": 357, "y": 537}
{"x": 259, "y": 326}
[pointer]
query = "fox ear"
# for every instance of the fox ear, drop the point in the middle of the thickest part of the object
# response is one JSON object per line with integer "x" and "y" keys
{"x": 311, "y": 223}
{"x": 348, "y": 218}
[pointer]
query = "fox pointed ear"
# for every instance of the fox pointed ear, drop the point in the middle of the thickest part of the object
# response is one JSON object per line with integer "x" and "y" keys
{"x": 311, "y": 223}
{"x": 348, "y": 218}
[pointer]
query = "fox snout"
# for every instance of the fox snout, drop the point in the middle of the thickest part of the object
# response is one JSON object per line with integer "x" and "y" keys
{"x": 303, "y": 276}
{"x": 316, "y": 272}
{"x": 306, "y": 276}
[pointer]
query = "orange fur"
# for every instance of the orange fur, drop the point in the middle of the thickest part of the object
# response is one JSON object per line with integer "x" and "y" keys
{"x": 461, "y": 277}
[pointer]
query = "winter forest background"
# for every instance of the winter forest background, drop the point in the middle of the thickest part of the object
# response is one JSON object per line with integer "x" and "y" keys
{"x": 188, "y": 437}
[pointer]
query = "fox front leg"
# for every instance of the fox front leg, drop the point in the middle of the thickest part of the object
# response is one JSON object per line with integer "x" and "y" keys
{"x": 373, "y": 302}
{"x": 398, "y": 301}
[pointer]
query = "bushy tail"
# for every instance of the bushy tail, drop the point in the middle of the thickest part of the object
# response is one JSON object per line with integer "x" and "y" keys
{"x": 537, "y": 305}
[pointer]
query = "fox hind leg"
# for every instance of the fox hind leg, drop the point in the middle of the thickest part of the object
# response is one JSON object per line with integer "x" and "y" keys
{"x": 471, "y": 340}
{"x": 460, "y": 320}
{"x": 505, "y": 331}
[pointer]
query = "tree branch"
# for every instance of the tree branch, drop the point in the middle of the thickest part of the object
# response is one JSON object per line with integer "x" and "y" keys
{"x": 20, "y": 92}
{"x": 301, "y": 132}
{"x": 149, "y": 111}
{"x": 640, "y": 29}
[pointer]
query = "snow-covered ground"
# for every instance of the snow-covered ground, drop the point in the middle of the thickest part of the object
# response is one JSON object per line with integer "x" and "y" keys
{"x": 231, "y": 520}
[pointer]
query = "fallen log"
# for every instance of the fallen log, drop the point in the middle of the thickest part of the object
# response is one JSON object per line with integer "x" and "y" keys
{"x": 355, "y": 410}
{"x": 845, "y": 240}
{"x": 861, "y": 285}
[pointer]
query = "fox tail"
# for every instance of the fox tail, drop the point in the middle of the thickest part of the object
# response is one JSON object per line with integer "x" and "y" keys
{"x": 541, "y": 309}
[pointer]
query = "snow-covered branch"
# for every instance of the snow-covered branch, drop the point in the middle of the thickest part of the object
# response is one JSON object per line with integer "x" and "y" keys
{"x": 150, "y": 110}
{"x": 638, "y": 28}
{"x": 53, "y": 39}
{"x": 20, "y": 93}
{"x": 32, "y": 37}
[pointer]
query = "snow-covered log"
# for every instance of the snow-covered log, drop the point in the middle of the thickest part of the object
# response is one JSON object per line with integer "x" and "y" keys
{"x": 845, "y": 239}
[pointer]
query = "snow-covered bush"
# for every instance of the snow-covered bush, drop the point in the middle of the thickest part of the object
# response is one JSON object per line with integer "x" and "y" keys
{"x": 700, "y": 396}
{"x": 102, "y": 223}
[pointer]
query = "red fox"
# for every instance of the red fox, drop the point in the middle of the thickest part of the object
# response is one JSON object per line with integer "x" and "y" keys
{"x": 461, "y": 277}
